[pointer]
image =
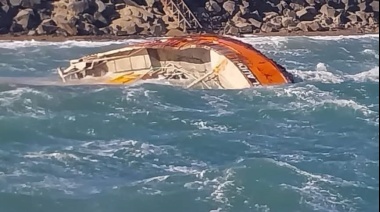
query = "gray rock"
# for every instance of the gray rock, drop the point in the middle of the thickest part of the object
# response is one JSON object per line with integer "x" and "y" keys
{"x": 88, "y": 29}
{"x": 26, "y": 19}
{"x": 32, "y": 33}
{"x": 373, "y": 22}
{"x": 25, "y": 3}
{"x": 100, "y": 6}
{"x": 44, "y": 14}
{"x": 244, "y": 3}
{"x": 277, "y": 22}
{"x": 119, "y": 6}
{"x": 15, "y": 27}
{"x": 375, "y": 6}
{"x": 244, "y": 10}
{"x": 364, "y": 7}
{"x": 288, "y": 22}
{"x": 158, "y": 28}
{"x": 125, "y": 27}
{"x": 15, "y": 3}
{"x": 311, "y": 2}
{"x": 255, "y": 23}
{"x": 231, "y": 30}
{"x": 328, "y": 11}
{"x": 363, "y": 16}
{"x": 78, "y": 7}
{"x": 353, "y": 18}
{"x": 99, "y": 20}
{"x": 246, "y": 29}
{"x": 352, "y": 8}
{"x": 30, "y": 3}
{"x": 47, "y": 27}
{"x": 106, "y": 30}
{"x": 306, "y": 14}
{"x": 150, "y": 3}
{"x": 67, "y": 27}
{"x": 213, "y": 6}
{"x": 6, "y": 16}
{"x": 269, "y": 15}
{"x": 3, "y": 2}
{"x": 282, "y": 6}
{"x": 337, "y": 4}
{"x": 296, "y": 7}
{"x": 310, "y": 26}
{"x": 340, "y": 19}
{"x": 87, "y": 18}
{"x": 230, "y": 7}
{"x": 290, "y": 13}
{"x": 110, "y": 13}
{"x": 268, "y": 27}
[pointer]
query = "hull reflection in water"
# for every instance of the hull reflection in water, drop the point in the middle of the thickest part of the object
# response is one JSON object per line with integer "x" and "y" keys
{"x": 200, "y": 61}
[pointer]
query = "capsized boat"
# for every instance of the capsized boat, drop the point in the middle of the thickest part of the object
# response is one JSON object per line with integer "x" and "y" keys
{"x": 196, "y": 61}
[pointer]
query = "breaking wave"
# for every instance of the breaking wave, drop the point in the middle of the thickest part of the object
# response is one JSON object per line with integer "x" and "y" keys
{"x": 322, "y": 74}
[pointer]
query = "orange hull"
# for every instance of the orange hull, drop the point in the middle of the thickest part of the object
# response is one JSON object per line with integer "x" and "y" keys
{"x": 250, "y": 61}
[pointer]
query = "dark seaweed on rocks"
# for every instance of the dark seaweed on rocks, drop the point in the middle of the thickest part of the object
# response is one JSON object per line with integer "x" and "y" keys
{"x": 151, "y": 18}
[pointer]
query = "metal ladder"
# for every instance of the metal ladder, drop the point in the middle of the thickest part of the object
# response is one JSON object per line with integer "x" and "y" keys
{"x": 181, "y": 12}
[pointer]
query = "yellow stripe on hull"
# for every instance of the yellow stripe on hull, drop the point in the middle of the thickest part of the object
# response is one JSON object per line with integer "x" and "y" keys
{"x": 124, "y": 79}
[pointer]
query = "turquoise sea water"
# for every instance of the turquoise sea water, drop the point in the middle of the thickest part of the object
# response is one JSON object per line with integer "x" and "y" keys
{"x": 310, "y": 146}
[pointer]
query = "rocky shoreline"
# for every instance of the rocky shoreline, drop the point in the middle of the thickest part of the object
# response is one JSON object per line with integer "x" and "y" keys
{"x": 56, "y": 38}
{"x": 114, "y": 19}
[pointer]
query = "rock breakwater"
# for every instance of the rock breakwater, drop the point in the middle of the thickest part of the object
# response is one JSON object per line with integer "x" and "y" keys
{"x": 153, "y": 18}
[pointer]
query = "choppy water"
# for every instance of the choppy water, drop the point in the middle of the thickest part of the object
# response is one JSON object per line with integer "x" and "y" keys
{"x": 311, "y": 146}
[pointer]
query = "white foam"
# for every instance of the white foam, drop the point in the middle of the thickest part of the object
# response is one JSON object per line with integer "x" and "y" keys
{"x": 322, "y": 74}
{"x": 309, "y": 97}
{"x": 371, "y": 75}
{"x": 342, "y": 37}
{"x": 315, "y": 194}
{"x": 133, "y": 148}
{"x": 371, "y": 52}
{"x": 273, "y": 41}
{"x": 56, "y": 155}
{"x": 156, "y": 179}
{"x": 203, "y": 125}
{"x": 64, "y": 44}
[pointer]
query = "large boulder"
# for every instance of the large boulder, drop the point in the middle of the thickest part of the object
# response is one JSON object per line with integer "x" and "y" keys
{"x": 88, "y": 29}
{"x": 67, "y": 26}
{"x": 3, "y": 2}
{"x": 47, "y": 27}
{"x": 127, "y": 26}
{"x": 6, "y": 16}
{"x": 138, "y": 12}
{"x": 99, "y": 20}
{"x": 328, "y": 11}
{"x": 282, "y": 6}
{"x": 288, "y": 22}
{"x": 213, "y": 6}
{"x": 268, "y": 27}
{"x": 375, "y": 6}
{"x": 78, "y": 7}
{"x": 340, "y": 19}
{"x": 255, "y": 23}
{"x": 364, "y": 7}
{"x": 26, "y": 19}
{"x": 230, "y": 7}
{"x": 307, "y": 14}
{"x": 353, "y": 18}
{"x": 310, "y": 26}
